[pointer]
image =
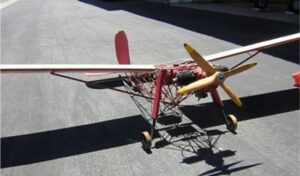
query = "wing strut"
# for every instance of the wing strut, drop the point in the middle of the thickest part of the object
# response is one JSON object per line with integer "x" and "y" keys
{"x": 245, "y": 60}
{"x": 68, "y": 77}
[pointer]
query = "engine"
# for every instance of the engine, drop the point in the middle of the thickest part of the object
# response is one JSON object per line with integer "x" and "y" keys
{"x": 185, "y": 77}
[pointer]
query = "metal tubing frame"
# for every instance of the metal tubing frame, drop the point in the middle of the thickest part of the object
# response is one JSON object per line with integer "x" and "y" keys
{"x": 159, "y": 84}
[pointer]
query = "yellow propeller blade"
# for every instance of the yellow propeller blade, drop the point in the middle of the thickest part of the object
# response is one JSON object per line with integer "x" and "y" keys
{"x": 200, "y": 84}
{"x": 214, "y": 77}
{"x": 239, "y": 69}
{"x": 231, "y": 94}
{"x": 199, "y": 60}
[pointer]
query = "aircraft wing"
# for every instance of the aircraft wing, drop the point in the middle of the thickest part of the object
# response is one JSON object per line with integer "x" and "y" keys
{"x": 75, "y": 68}
{"x": 254, "y": 47}
{"x": 142, "y": 68}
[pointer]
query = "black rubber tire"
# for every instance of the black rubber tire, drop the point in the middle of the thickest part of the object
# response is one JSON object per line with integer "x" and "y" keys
{"x": 146, "y": 140}
{"x": 261, "y": 4}
{"x": 232, "y": 123}
{"x": 293, "y": 6}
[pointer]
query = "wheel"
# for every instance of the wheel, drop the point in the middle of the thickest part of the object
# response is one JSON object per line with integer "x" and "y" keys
{"x": 260, "y": 4}
{"x": 296, "y": 6}
{"x": 146, "y": 140}
{"x": 231, "y": 123}
{"x": 293, "y": 6}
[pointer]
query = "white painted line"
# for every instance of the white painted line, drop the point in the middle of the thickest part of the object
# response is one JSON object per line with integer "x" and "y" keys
{"x": 7, "y": 3}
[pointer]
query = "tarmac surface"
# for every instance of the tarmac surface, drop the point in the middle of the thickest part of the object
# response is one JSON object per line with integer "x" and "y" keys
{"x": 52, "y": 126}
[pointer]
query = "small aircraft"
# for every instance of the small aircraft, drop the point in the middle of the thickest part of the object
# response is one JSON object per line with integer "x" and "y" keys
{"x": 163, "y": 87}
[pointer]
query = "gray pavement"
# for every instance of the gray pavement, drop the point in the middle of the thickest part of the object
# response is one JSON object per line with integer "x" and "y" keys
{"x": 52, "y": 126}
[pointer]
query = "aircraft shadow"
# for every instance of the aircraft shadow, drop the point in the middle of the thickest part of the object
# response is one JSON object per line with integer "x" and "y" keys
{"x": 202, "y": 148}
{"x": 236, "y": 29}
{"x": 226, "y": 170}
{"x": 216, "y": 159}
{"x": 48, "y": 145}
{"x": 43, "y": 146}
{"x": 257, "y": 106}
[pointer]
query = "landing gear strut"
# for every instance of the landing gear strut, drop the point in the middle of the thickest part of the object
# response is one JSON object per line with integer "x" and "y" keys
{"x": 230, "y": 120}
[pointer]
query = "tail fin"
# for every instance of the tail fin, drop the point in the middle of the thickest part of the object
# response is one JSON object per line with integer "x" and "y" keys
{"x": 122, "y": 51}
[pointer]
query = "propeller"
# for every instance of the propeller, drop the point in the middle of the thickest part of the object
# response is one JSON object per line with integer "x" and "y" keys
{"x": 215, "y": 78}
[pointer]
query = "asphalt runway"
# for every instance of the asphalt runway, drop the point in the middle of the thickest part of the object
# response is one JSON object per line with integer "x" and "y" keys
{"x": 52, "y": 126}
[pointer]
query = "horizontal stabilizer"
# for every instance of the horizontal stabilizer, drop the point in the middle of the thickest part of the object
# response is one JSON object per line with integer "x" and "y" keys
{"x": 105, "y": 83}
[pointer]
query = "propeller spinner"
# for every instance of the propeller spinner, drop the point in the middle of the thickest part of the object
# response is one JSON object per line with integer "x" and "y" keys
{"x": 215, "y": 78}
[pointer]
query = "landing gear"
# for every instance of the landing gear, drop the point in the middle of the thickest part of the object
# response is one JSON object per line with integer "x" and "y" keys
{"x": 146, "y": 140}
{"x": 147, "y": 137}
{"x": 230, "y": 120}
{"x": 293, "y": 6}
{"x": 231, "y": 123}
{"x": 260, "y": 4}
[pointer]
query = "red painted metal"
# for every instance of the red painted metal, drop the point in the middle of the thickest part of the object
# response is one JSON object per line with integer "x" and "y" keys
{"x": 121, "y": 45}
{"x": 296, "y": 77}
{"x": 159, "y": 84}
{"x": 216, "y": 97}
